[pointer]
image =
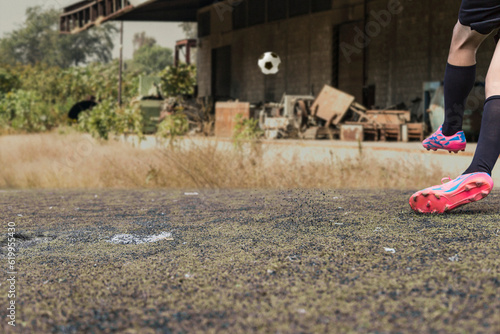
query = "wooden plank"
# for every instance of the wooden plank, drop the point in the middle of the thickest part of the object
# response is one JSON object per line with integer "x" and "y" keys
{"x": 375, "y": 111}
{"x": 359, "y": 106}
{"x": 331, "y": 105}
{"x": 390, "y": 116}
{"x": 363, "y": 116}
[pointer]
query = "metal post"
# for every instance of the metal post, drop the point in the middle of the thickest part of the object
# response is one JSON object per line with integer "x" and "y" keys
{"x": 176, "y": 58}
{"x": 121, "y": 66}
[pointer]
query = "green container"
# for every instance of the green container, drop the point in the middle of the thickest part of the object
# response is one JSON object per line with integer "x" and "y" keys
{"x": 150, "y": 110}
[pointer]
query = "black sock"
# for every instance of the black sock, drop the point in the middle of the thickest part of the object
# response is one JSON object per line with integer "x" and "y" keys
{"x": 488, "y": 145}
{"x": 458, "y": 82}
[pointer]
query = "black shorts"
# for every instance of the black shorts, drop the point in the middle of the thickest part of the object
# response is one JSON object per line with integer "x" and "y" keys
{"x": 482, "y": 16}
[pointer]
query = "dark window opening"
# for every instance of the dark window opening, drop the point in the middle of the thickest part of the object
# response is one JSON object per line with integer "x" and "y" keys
{"x": 298, "y": 7}
{"x": 221, "y": 73}
{"x": 256, "y": 12}
{"x": 335, "y": 54}
{"x": 276, "y": 10}
{"x": 204, "y": 24}
{"x": 320, "y": 5}
{"x": 240, "y": 15}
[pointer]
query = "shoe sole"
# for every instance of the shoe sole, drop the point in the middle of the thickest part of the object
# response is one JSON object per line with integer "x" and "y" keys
{"x": 437, "y": 201}
{"x": 454, "y": 151}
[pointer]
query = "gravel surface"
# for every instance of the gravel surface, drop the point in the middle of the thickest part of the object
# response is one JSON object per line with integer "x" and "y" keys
{"x": 239, "y": 261}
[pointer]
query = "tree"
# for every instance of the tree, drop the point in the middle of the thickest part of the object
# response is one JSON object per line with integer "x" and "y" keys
{"x": 140, "y": 40}
{"x": 190, "y": 29}
{"x": 148, "y": 56}
{"x": 38, "y": 41}
{"x": 153, "y": 58}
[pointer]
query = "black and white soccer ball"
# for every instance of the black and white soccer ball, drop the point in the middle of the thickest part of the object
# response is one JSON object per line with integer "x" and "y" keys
{"x": 269, "y": 63}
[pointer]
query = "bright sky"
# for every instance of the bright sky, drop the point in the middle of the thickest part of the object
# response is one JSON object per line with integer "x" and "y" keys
{"x": 166, "y": 33}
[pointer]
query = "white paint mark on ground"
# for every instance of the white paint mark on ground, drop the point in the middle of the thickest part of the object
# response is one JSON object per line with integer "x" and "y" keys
{"x": 127, "y": 239}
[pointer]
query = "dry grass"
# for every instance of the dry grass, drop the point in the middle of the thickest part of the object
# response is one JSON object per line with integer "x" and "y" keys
{"x": 74, "y": 160}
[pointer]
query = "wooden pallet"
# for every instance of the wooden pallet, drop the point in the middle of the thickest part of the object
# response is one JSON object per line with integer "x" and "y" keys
{"x": 316, "y": 132}
{"x": 415, "y": 131}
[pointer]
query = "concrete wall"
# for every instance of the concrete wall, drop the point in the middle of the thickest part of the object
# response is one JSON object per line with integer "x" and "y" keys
{"x": 408, "y": 48}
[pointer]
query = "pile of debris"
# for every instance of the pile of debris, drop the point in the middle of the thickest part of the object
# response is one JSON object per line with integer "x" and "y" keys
{"x": 332, "y": 114}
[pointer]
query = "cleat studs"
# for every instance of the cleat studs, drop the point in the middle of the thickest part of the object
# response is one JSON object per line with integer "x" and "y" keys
{"x": 415, "y": 198}
{"x": 485, "y": 193}
{"x": 420, "y": 210}
{"x": 467, "y": 188}
{"x": 428, "y": 204}
{"x": 434, "y": 149}
{"x": 425, "y": 194}
{"x": 437, "y": 196}
{"x": 479, "y": 184}
{"x": 463, "y": 150}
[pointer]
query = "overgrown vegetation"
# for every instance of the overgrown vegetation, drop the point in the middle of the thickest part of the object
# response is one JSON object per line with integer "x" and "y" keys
{"x": 179, "y": 80}
{"x": 246, "y": 130}
{"x": 75, "y": 160}
{"x": 35, "y": 98}
{"x": 40, "y": 82}
{"x": 173, "y": 126}
{"x": 107, "y": 117}
{"x": 23, "y": 110}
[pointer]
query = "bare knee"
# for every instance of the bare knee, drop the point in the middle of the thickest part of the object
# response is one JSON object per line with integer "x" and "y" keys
{"x": 465, "y": 39}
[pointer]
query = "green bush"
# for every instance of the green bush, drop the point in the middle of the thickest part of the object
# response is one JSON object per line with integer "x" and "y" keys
{"x": 179, "y": 80}
{"x": 107, "y": 117}
{"x": 129, "y": 120}
{"x": 48, "y": 92}
{"x": 173, "y": 126}
{"x": 8, "y": 81}
{"x": 100, "y": 120}
{"x": 246, "y": 129}
{"x": 23, "y": 110}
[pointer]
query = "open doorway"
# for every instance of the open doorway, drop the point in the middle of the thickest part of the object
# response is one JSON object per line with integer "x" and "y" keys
{"x": 348, "y": 59}
{"x": 221, "y": 73}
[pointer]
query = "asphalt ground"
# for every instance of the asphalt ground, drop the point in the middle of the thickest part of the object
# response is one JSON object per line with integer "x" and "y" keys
{"x": 240, "y": 261}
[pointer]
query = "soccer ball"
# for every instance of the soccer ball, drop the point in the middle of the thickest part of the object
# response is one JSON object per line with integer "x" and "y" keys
{"x": 269, "y": 63}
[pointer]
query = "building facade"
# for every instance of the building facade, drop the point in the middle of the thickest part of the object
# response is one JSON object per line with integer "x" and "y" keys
{"x": 380, "y": 51}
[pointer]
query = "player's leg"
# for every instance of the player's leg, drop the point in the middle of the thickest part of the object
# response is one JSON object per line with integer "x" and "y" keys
{"x": 460, "y": 75}
{"x": 483, "y": 16}
{"x": 488, "y": 145}
{"x": 459, "y": 78}
{"x": 476, "y": 182}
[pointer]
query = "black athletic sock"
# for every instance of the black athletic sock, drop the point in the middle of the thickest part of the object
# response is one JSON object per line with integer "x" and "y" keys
{"x": 488, "y": 145}
{"x": 458, "y": 82}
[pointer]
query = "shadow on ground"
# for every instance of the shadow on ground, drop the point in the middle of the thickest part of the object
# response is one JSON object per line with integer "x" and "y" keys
{"x": 250, "y": 261}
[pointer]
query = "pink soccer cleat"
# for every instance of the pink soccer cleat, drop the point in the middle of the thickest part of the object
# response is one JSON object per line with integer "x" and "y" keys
{"x": 452, "y": 143}
{"x": 445, "y": 197}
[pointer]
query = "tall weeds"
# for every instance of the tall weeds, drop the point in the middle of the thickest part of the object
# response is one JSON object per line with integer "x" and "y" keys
{"x": 75, "y": 160}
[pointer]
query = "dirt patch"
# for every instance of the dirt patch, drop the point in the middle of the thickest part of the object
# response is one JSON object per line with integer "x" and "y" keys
{"x": 241, "y": 261}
